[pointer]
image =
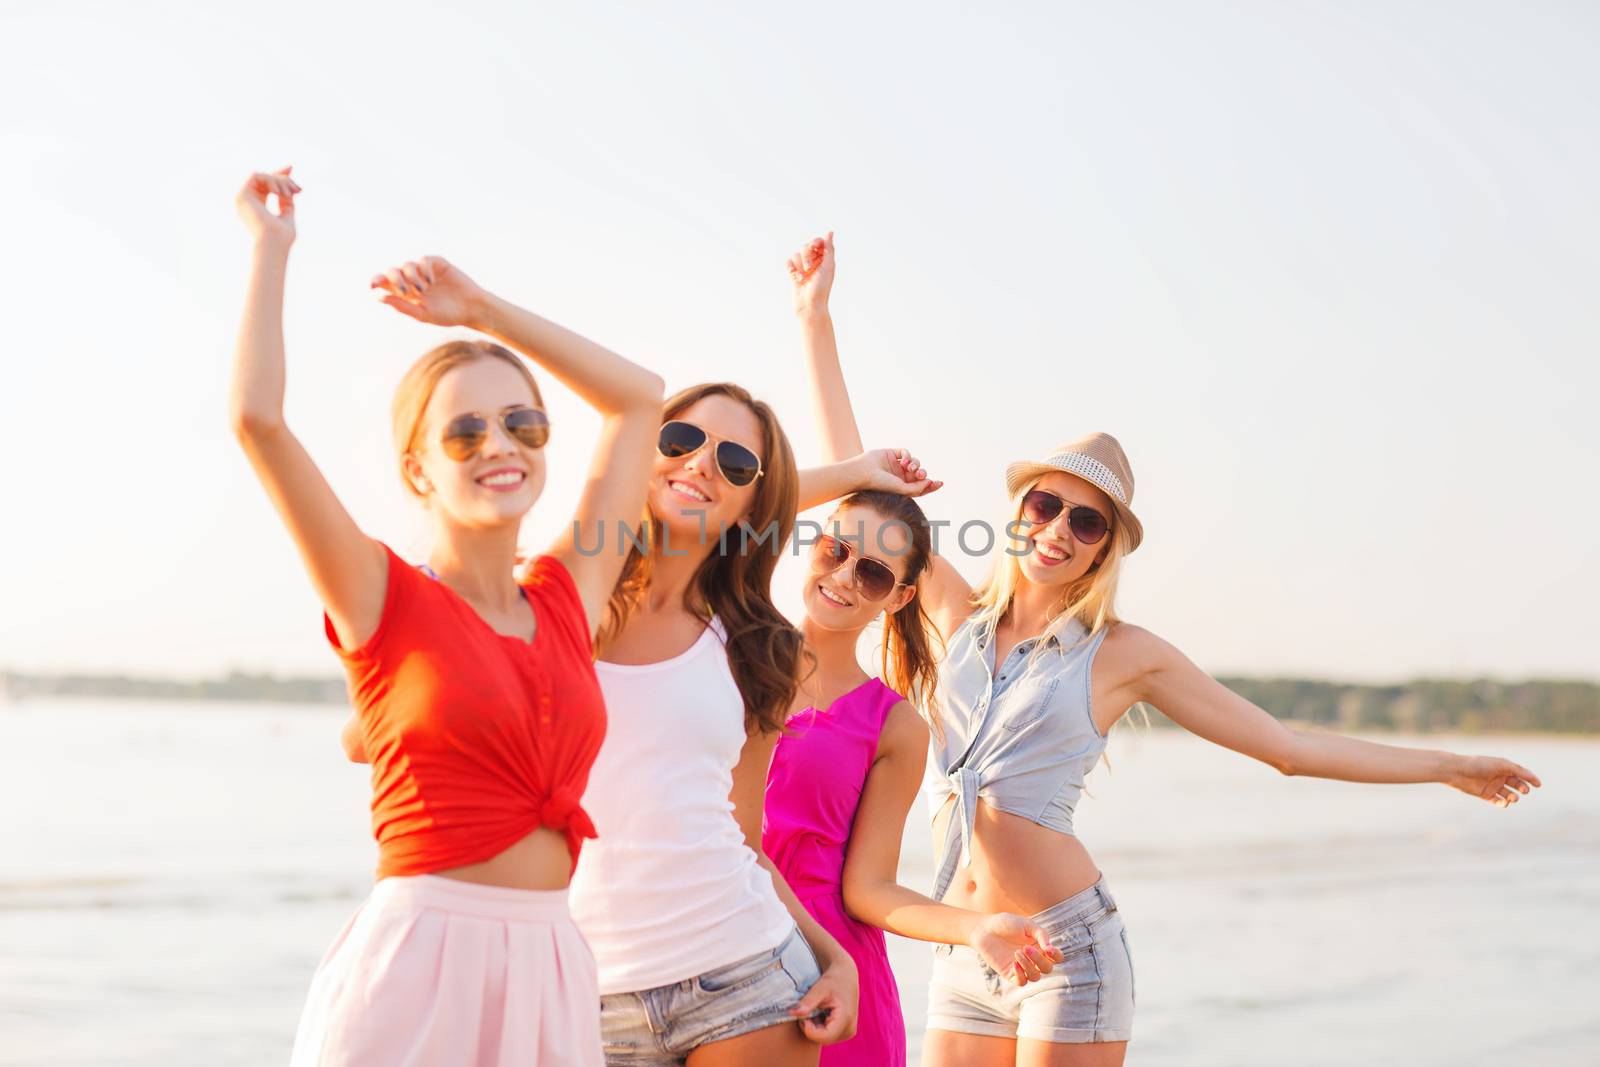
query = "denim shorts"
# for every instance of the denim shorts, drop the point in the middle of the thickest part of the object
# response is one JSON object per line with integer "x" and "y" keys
{"x": 662, "y": 1026}
{"x": 1088, "y": 996}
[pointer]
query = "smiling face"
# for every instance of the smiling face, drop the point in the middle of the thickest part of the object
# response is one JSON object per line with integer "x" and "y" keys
{"x": 688, "y": 494}
{"x": 834, "y": 599}
{"x": 499, "y": 482}
{"x": 1054, "y": 557}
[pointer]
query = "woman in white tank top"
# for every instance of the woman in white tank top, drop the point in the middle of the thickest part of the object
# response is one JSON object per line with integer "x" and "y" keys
{"x": 696, "y": 935}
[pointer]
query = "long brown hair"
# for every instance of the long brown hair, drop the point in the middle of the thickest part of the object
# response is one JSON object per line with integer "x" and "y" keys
{"x": 735, "y": 581}
{"x": 910, "y": 662}
{"x": 411, "y": 396}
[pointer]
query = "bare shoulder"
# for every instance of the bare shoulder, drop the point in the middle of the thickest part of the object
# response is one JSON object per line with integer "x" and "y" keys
{"x": 1125, "y": 641}
{"x": 1131, "y": 652}
{"x": 904, "y": 732}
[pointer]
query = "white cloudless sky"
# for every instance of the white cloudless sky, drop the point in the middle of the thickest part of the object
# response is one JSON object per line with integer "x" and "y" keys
{"x": 1327, "y": 270}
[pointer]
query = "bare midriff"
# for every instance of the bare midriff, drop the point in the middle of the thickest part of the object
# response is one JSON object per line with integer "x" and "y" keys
{"x": 538, "y": 861}
{"x": 1016, "y": 864}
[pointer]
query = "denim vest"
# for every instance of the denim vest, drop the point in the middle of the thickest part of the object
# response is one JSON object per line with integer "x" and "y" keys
{"x": 1022, "y": 739}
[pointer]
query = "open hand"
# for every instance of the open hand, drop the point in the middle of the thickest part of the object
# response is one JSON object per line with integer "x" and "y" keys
{"x": 258, "y": 217}
{"x": 431, "y": 290}
{"x": 1014, "y": 947}
{"x": 811, "y": 271}
{"x": 1491, "y": 778}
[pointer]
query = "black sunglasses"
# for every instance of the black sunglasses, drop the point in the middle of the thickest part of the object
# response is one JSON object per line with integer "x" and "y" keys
{"x": 738, "y": 464}
{"x": 1087, "y": 525}
{"x": 873, "y": 577}
{"x": 465, "y": 434}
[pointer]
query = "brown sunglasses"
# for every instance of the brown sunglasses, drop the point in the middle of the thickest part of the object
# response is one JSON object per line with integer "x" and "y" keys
{"x": 873, "y": 577}
{"x": 465, "y": 434}
{"x": 1040, "y": 506}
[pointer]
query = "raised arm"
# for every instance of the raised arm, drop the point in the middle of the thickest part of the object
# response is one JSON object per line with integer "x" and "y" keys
{"x": 890, "y": 470}
{"x": 347, "y": 568}
{"x": 811, "y": 271}
{"x": 627, "y": 396}
{"x": 1009, "y": 944}
{"x": 1166, "y": 678}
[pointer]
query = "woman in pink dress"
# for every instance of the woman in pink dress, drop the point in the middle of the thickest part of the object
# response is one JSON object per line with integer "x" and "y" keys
{"x": 844, "y": 777}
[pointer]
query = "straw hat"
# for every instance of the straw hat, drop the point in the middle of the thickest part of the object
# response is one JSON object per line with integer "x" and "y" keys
{"x": 1099, "y": 460}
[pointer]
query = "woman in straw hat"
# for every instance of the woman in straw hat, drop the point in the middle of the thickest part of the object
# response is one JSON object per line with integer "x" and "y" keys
{"x": 1038, "y": 669}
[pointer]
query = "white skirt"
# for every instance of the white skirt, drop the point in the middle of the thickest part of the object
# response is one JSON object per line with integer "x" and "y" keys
{"x": 431, "y": 970}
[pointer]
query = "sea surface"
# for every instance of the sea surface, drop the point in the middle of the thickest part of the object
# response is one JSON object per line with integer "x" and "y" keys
{"x": 171, "y": 873}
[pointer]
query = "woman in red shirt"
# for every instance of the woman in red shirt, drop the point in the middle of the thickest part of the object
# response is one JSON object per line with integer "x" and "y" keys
{"x": 476, "y": 697}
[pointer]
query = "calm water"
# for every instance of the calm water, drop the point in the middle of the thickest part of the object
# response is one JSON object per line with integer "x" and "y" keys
{"x": 169, "y": 876}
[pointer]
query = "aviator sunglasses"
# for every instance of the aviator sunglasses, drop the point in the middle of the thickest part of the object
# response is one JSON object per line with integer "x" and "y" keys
{"x": 1087, "y": 525}
{"x": 465, "y": 434}
{"x": 738, "y": 464}
{"x": 872, "y": 577}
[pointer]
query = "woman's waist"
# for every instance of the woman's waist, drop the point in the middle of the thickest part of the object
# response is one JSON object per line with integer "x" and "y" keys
{"x": 513, "y": 853}
{"x": 695, "y": 817}
{"x": 415, "y": 892}
{"x": 640, "y": 855}
{"x": 539, "y": 861}
{"x": 653, "y": 924}
{"x": 1016, "y": 864}
{"x": 804, "y": 858}
{"x": 645, "y": 885}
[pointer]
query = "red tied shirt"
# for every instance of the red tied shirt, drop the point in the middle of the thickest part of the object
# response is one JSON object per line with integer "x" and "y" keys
{"x": 476, "y": 739}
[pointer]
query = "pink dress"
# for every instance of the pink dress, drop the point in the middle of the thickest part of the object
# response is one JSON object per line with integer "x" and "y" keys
{"x": 813, "y": 786}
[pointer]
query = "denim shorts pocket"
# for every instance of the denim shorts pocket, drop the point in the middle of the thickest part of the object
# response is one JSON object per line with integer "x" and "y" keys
{"x": 1027, "y": 703}
{"x": 1070, "y": 939}
{"x": 740, "y": 972}
{"x": 1099, "y": 917}
{"x": 799, "y": 963}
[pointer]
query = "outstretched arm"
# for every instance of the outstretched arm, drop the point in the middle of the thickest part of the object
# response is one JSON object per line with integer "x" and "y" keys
{"x": 1009, "y": 944}
{"x": 811, "y": 271}
{"x": 627, "y": 396}
{"x": 347, "y": 568}
{"x": 1201, "y": 704}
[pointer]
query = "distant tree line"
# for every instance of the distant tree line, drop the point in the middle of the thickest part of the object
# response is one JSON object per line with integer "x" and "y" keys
{"x": 1423, "y": 706}
{"x": 1428, "y": 705}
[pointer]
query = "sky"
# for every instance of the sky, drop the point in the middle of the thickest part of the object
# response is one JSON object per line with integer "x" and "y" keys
{"x": 1328, "y": 271}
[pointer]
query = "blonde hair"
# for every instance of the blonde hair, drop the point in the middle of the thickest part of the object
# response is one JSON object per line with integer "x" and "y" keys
{"x": 1090, "y": 600}
{"x": 411, "y": 396}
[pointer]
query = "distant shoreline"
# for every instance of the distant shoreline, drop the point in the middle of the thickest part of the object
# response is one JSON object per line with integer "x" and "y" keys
{"x": 234, "y": 687}
{"x": 1470, "y": 706}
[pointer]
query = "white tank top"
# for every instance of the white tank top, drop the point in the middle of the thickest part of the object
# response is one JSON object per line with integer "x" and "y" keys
{"x": 669, "y": 889}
